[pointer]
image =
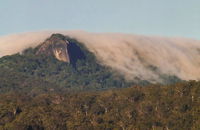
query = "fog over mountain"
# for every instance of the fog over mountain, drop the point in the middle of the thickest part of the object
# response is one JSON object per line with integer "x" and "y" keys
{"x": 134, "y": 56}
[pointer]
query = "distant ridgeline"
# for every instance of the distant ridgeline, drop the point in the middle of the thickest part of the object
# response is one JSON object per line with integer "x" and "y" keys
{"x": 60, "y": 62}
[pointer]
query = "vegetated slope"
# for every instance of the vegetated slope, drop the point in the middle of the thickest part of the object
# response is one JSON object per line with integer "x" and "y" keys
{"x": 63, "y": 62}
{"x": 136, "y": 57}
{"x": 153, "y": 107}
{"x": 37, "y": 92}
{"x": 27, "y": 70}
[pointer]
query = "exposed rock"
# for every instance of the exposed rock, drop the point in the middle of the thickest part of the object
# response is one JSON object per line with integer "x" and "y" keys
{"x": 60, "y": 47}
{"x": 56, "y": 45}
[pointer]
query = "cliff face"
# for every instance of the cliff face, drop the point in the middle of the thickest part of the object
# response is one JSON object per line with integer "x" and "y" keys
{"x": 61, "y": 48}
{"x": 56, "y": 45}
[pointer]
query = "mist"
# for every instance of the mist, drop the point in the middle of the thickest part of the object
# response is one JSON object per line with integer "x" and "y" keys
{"x": 133, "y": 56}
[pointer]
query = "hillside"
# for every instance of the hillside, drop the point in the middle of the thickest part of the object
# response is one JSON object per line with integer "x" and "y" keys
{"x": 65, "y": 63}
{"x": 42, "y": 66}
{"x": 136, "y": 57}
{"x": 62, "y": 83}
{"x": 153, "y": 107}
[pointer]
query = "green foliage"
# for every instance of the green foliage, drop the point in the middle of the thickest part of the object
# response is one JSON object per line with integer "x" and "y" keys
{"x": 152, "y": 107}
{"x": 38, "y": 92}
{"x": 28, "y": 66}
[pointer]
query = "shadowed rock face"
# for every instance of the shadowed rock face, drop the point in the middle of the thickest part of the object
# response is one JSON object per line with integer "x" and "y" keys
{"x": 75, "y": 53}
{"x": 63, "y": 50}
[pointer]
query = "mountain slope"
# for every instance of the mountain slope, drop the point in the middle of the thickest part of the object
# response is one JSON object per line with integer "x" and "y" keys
{"x": 136, "y": 57}
{"x": 81, "y": 72}
{"x": 44, "y": 87}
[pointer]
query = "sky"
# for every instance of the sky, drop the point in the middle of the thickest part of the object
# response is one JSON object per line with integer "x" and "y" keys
{"x": 149, "y": 17}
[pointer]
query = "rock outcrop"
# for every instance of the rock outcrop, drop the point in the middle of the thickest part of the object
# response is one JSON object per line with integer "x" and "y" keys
{"x": 59, "y": 46}
{"x": 55, "y": 45}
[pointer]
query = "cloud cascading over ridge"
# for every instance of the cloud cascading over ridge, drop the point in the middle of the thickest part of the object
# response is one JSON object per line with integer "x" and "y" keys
{"x": 144, "y": 57}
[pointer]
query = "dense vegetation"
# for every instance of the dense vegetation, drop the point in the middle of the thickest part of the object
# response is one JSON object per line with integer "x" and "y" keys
{"x": 155, "y": 107}
{"x": 28, "y": 70}
{"x": 24, "y": 70}
{"x": 38, "y": 92}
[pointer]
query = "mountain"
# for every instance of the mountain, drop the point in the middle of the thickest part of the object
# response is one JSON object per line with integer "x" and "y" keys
{"x": 65, "y": 62}
{"x": 135, "y": 57}
{"x": 60, "y": 63}
{"x": 84, "y": 81}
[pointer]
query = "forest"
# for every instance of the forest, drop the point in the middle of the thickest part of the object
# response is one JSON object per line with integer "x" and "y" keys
{"x": 156, "y": 107}
{"x": 39, "y": 92}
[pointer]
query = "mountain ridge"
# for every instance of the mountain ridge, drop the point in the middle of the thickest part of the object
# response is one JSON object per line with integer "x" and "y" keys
{"x": 133, "y": 56}
{"x": 82, "y": 72}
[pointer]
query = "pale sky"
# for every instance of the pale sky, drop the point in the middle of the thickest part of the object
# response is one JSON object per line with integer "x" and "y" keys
{"x": 150, "y": 17}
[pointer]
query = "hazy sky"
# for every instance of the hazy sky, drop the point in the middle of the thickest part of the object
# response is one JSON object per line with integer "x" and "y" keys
{"x": 151, "y": 17}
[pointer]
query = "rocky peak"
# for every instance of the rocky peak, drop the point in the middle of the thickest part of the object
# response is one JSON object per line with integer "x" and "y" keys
{"x": 59, "y": 46}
